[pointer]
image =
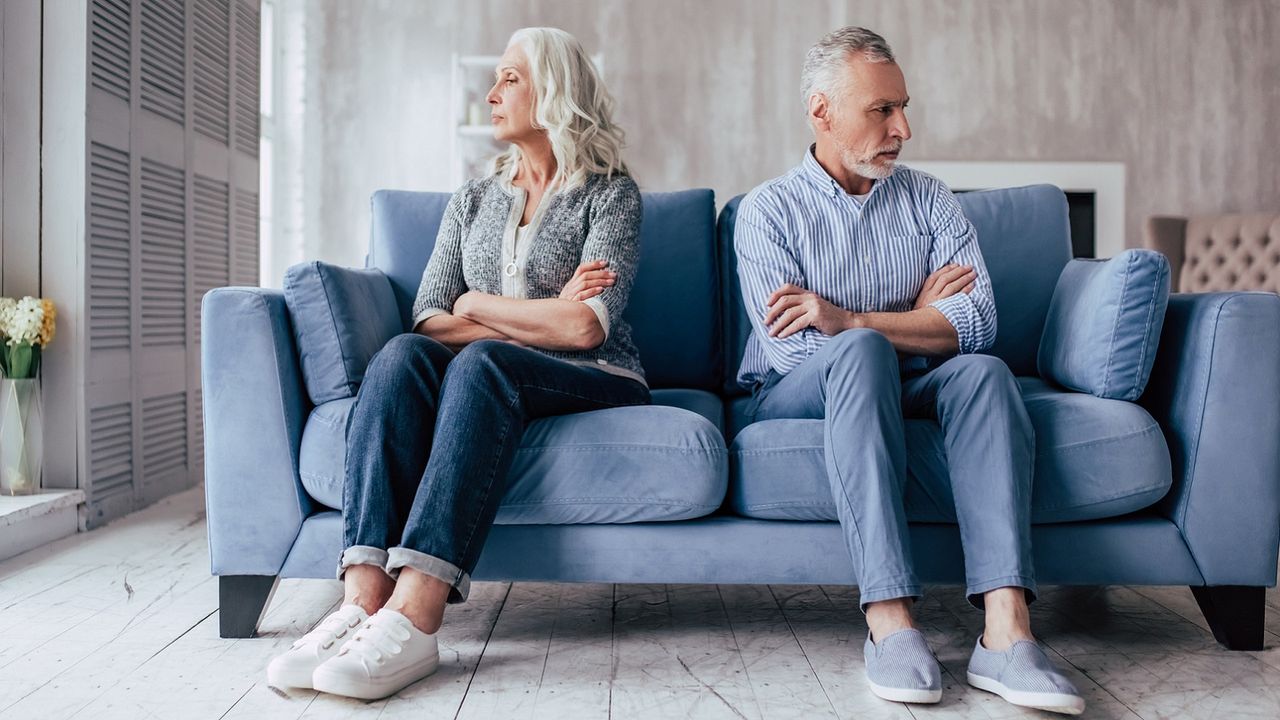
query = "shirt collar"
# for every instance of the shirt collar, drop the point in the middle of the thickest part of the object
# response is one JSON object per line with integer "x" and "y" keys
{"x": 819, "y": 177}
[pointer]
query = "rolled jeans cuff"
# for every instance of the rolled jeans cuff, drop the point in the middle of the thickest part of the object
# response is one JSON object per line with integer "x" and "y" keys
{"x": 442, "y": 570}
{"x": 888, "y": 593}
{"x": 362, "y": 555}
{"x": 975, "y": 591}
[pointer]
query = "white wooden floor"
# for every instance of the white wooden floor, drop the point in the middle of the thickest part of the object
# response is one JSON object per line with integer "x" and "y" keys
{"x": 122, "y": 623}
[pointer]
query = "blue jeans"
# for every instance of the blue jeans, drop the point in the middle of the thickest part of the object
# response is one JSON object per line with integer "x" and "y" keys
{"x": 854, "y": 383}
{"x": 431, "y": 439}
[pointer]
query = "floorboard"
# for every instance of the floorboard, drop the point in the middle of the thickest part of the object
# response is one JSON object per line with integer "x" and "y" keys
{"x": 122, "y": 622}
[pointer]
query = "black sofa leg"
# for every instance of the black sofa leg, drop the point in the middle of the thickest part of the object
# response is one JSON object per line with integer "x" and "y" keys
{"x": 1235, "y": 613}
{"x": 242, "y": 601}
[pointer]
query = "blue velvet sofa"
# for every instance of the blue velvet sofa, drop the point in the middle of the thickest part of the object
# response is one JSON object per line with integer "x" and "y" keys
{"x": 1180, "y": 488}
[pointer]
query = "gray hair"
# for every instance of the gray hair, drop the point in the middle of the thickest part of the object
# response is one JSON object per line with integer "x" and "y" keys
{"x": 826, "y": 63}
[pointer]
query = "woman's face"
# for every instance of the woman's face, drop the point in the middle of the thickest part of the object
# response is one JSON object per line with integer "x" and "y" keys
{"x": 511, "y": 98}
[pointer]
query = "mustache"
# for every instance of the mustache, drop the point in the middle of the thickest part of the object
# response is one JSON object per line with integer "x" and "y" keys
{"x": 895, "y": 148}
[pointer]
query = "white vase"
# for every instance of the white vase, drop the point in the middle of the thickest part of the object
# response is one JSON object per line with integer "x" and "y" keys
{"x": 21, "y": 436}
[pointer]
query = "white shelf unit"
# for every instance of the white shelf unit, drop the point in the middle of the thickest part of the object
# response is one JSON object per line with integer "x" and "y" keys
{"x": 471, "y": 143}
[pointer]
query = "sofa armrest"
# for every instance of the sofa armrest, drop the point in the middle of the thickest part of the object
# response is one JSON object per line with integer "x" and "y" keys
{"x": 255, "y": 406}
{"x": 1215, "y": 390}
{"x": 1167, "y": 235}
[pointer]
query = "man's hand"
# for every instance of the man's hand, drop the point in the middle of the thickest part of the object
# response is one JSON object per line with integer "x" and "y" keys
{"x": 588, "y": 281}
{"x": 945, "y": 282}
{"x": 791, "y": 309}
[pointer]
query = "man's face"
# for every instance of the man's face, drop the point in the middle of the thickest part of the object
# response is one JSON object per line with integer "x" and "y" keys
{"x": 867, "y": 118}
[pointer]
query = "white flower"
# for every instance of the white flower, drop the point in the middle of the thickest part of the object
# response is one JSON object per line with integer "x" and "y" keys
{"x": 7, "y": 307}
{"x": 25, "y": 320}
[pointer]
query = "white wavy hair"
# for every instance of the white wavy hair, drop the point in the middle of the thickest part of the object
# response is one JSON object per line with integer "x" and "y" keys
{"x": 572, "y": 104}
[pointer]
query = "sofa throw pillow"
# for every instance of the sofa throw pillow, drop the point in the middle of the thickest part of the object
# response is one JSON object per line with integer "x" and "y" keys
{"x": 1104, "y": 324}
{"x": 341, "y": 317}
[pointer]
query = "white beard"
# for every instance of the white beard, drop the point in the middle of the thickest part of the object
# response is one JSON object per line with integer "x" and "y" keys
{"x": 873, "y": 171}
{"x": 864, "y": 166}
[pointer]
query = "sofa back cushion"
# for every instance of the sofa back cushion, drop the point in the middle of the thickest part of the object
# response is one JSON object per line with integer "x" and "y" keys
{"x": 404, "y": 229}
{"x": 341, "y": 317}
{"x": 1104, "y": 323}
{"x": 736, "y": 324}
{"x": 1025, "y": 238}
{"x": 1025, "y": 241}
{"x": 674, "y": 306}
{"x": 674, "y": 309}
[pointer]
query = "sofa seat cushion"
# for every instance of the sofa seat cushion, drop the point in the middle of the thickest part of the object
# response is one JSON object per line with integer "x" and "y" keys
{"x": 701, "y": 402}
{"x": 1095, "y": 458}
{"x": 629, "y": 464}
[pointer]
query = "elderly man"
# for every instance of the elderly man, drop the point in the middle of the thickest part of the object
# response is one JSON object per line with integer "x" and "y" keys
{"x": 868, "y": 298}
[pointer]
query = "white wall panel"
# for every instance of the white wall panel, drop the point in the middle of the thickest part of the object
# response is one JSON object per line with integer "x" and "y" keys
{"x": 1183, "y": 92}
{"x": 20, "y": 148}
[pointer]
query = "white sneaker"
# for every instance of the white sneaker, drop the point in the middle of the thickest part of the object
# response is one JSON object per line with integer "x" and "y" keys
{"x": 294, "y": 667}
{"x": 386, "y": 655}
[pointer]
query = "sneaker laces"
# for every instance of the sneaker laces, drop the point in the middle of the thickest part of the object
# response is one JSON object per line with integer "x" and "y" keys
{"x": 331, "y": 629}
{"x": 378, "y": 639}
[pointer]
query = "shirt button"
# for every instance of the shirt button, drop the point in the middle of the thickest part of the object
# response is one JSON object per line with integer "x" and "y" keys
{"x": 866, "y": 259}
{"x": 510, "y": 269}
{"x": 602, "y": 361}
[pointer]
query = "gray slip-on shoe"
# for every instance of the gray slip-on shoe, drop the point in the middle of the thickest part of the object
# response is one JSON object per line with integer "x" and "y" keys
{"x": 901, "y": 668}
{"x": 1023, "y": 675}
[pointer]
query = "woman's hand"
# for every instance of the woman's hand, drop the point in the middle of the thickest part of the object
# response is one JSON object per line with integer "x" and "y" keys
{"x": 945, "y": 282}
{"x": 588, "y": 281}
{"x": 462, "y": 306}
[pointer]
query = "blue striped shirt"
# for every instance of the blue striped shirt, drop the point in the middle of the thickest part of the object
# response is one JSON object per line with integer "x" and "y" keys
{"x": 864, "y": 255}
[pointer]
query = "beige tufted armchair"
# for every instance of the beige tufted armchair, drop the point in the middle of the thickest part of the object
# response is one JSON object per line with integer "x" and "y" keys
{"x": 1212, "y": 253}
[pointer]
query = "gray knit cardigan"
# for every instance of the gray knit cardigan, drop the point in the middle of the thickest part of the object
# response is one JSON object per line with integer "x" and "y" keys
{"x": 599, "y": 220}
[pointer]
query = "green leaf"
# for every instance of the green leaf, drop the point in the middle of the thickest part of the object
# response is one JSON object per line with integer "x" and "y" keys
{"x": 20, "y": 361}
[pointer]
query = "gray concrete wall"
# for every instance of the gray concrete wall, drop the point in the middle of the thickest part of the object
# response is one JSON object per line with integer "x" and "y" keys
{"x": 1184, "y": 92}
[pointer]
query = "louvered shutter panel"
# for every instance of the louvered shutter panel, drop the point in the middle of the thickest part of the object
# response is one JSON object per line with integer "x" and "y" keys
{"x": 164, "y": 444}
{"x": 112, "y": 293}
{"x": 197, "y": 446}
{"x": 164, "y": 251}
{"x": 172, "y": 212}
{"x": 164, "y": 58}
{"x": 248, "y": 46}
{"x": 110, "y": 275}
{"x": 212, "y": 108}
{"x": 111, "y": 46}
{"x": 245, "y": 270}
{"x": 212, "y": 242}
{"x": 111, "y": 456}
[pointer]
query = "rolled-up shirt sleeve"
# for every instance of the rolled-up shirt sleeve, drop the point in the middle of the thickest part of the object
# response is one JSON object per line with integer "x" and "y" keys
{"x": 765, "y": 263}
{"x": 602, "y": 313}
{"x": 442, "y": 280}
{"x": 972, "y": 314}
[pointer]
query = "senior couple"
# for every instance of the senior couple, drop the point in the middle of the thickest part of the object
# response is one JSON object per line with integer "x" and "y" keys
{"x": 868, "y": 299}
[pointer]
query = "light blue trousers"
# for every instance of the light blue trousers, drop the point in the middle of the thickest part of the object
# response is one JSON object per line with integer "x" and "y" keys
{"x": 853, "y": 382}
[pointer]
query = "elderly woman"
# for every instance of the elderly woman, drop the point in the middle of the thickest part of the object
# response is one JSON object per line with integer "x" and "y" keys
{"x": 518, "y": 317}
